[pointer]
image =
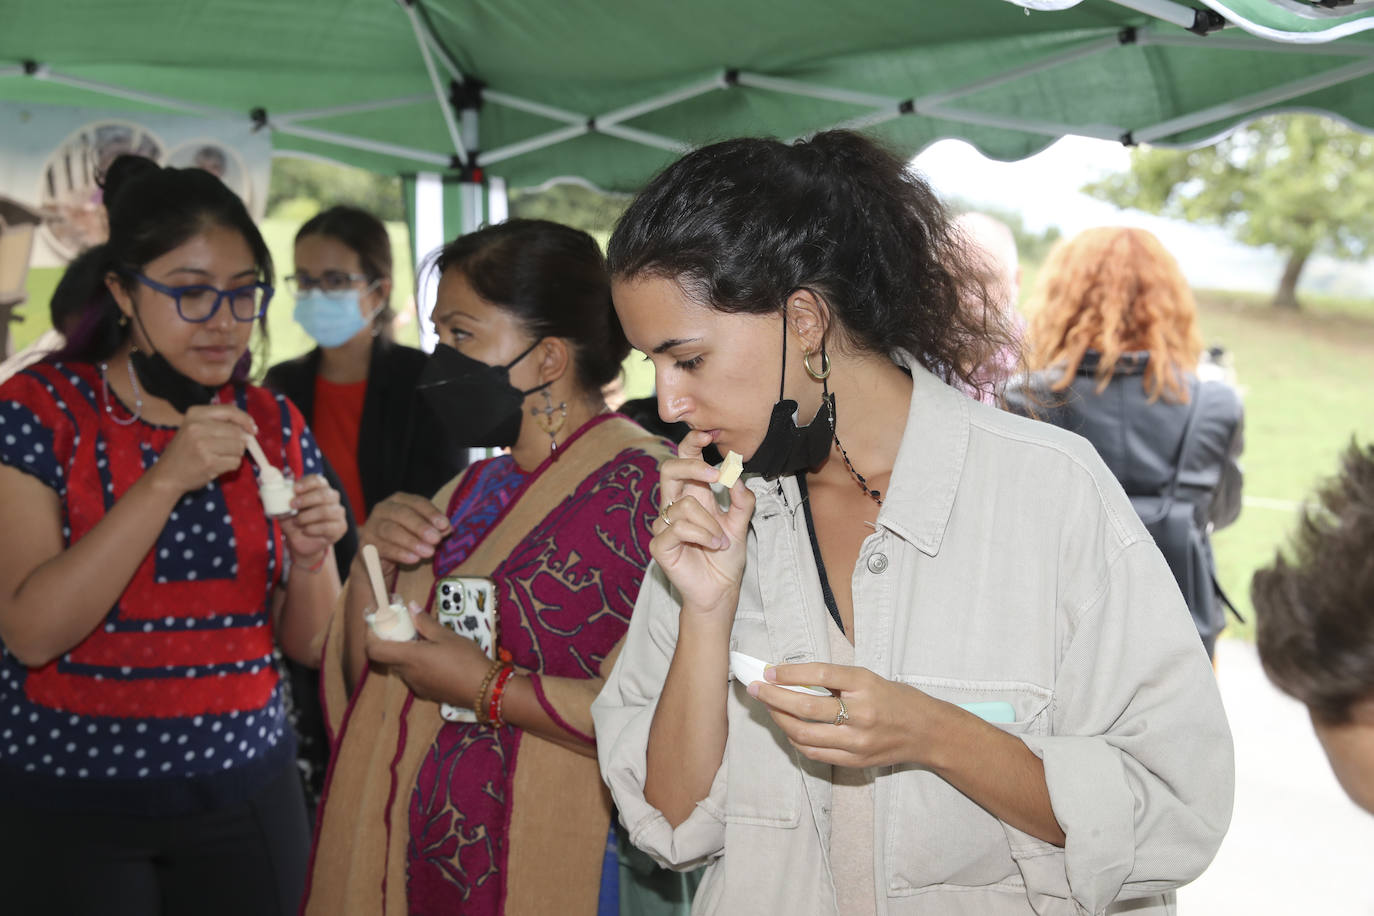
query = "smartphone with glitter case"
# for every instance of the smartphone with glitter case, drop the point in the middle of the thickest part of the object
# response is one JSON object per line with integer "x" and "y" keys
{"x": 467, "y": 606}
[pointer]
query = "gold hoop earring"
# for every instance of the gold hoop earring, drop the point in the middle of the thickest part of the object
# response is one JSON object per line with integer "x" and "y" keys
{"x": 825, "y": 365}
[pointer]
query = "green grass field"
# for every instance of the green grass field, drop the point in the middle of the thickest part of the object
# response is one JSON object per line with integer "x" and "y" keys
{"x": 1307, "y": 379}
{"x": 1308, "y": 384}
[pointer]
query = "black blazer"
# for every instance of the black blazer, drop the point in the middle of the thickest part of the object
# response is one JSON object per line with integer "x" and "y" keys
{"x": 401, "y": 446}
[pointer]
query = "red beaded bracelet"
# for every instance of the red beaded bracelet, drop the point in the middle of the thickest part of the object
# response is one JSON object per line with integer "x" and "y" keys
{"x": 497, "y": 689}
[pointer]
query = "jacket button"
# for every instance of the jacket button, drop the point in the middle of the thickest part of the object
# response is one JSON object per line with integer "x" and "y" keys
{"x": 877, "y": 563}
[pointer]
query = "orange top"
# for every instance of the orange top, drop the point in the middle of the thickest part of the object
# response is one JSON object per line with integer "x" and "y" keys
{"x": 338, "y": 414}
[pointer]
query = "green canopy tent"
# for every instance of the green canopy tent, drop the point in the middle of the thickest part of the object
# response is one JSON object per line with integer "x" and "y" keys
{"x": 523, "y": 91}
{"x": 528, "y": 90}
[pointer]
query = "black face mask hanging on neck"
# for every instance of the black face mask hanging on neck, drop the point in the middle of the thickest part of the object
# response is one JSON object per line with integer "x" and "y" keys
{"x": 161, "y": 379}
{"x": 787, "y": 448}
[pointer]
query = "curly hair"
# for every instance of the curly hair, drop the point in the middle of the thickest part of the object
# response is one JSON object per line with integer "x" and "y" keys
{"x": 1116, "y": 290}
{"x": 1315, "y": 613}
{"x": 741, "y": 224}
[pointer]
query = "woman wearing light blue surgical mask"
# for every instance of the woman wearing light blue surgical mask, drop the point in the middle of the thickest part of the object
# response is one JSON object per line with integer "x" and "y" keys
{"x": 357, "y": 390}
{"x": 358, "y": 386}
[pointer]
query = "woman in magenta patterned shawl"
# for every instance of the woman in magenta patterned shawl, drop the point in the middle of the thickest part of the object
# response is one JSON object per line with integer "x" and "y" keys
{"x": 423, "y": 815}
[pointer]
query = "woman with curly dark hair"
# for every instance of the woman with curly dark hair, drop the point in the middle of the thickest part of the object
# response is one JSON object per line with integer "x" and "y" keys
{"x": 994, "y": 665}
{"x": 1114, "y": 344}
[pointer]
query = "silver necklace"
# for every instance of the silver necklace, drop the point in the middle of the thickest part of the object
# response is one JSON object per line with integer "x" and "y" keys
{"x": 105, "y": 395}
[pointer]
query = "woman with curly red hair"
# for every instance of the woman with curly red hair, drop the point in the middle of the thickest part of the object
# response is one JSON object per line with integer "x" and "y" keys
{"x": 1113, "y": 345}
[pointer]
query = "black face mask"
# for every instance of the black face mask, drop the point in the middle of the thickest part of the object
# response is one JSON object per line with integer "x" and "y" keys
{"x": 163, "y": 380}
{"x": 787, "y": 448}
{"x": 475, "y": 401}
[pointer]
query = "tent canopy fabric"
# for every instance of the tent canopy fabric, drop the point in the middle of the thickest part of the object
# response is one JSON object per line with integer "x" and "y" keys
{"x": 610, "y": 91}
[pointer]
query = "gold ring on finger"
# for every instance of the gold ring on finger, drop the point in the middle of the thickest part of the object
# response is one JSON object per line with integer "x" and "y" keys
{"x": 664, "y": 514}
{"x": 842, "y": 716}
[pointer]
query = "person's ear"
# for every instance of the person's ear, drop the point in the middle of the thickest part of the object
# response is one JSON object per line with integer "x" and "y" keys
{"x": 383, "y": 291}
{"x": 808, "y": 316}
{"x": 115, "y": 285}
{"x": 555, "y": 359}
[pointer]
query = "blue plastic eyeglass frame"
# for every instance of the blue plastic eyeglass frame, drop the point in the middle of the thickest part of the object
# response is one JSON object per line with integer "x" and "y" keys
{"x": 176, "y": 292}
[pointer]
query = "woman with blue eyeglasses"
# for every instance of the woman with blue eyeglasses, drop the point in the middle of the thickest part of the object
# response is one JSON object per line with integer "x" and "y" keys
{"x": 357, "y": 388}
{"x": 146, "y": 765}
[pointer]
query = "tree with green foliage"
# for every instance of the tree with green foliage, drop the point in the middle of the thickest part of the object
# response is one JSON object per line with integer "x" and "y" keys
{"x": 326, "y": 183}
{"x": 1302, "y": 183}
{"x": 572, "y": 204}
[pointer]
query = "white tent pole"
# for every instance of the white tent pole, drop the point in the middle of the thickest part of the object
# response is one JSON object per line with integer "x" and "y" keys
{"x": 812, "y": 90}
{"x": 892, "y": 112}
{"x": 440, "y": 95}
{"x": 473, "y": 194}
{"x": 1054, "y": 60}
{"x": 11, "y": 71}
{"x": 1027, "y": 125}
{"x": 1185, "y": 17}
{"x": 1249, "y": 103}
{"x": 429, "y": 235}
{"x": 491, "y": 157}
{"x": 498, "y": 201}
{"x": 519, "y": 104}
{"x": 1151, "y": 36}
{"x": 43, "y": 73}
{"x": 361, "y": 143}
{"x": 310, "y": 114}
{"x": 645, "y": 138}
{"x": 662, "y": 101}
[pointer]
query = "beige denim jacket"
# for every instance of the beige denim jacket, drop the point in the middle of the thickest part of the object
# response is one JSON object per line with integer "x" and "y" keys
{"x": 1007, "y": 565}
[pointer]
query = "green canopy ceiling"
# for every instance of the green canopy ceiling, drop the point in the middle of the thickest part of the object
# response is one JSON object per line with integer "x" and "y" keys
{"x": 612, "y": 90}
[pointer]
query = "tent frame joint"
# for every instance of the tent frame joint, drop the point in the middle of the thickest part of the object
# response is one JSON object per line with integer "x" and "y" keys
{"x": 31, "y": 67}
{"x": 1206, "y": 21}
{"x": 468, "y": 169}
{"x": 259, "y": 118}
{"x": 730, "y": 78}
{"x": 1128, "y": 36}
{"x": 466, "y": 94}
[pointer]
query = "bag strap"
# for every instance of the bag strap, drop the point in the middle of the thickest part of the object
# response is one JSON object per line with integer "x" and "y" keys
{"x": 1189, "y": 424}
{"x": 1195, "y": 396}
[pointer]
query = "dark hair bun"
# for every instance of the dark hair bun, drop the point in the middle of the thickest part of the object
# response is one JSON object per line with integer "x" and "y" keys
{"x": 126, "y": 168}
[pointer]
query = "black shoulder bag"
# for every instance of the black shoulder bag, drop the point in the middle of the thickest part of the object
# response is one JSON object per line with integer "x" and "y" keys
{"x": 1172, "y": 523}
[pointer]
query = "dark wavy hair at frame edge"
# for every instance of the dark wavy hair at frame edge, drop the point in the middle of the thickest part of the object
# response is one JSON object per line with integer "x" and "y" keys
{"x": 366, "y": 236}
{"x": 1315, "y": 610}
{"x": 553, "y": 279}
{"x": 741, "y": 224}
{"x": 153, "y": 209}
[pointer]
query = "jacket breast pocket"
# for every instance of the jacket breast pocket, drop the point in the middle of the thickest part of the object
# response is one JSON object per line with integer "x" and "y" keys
{"x": 763, "y": 783}
{"x": 936, "y": 835}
